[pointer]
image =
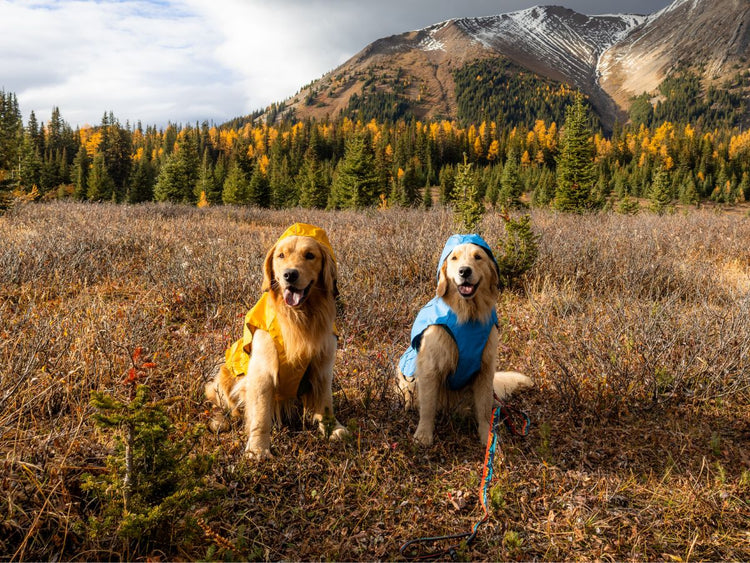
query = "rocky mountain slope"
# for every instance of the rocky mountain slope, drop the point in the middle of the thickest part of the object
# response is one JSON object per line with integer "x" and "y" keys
{"x": 712, "y": 34}
{"x": 609, "y": 57}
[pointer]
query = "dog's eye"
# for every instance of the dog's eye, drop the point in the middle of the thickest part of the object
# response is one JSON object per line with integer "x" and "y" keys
{"x": 309, "y": 256}
{"x": 281, "y": 255}
{"x": 477, "y": 256}
{"x": 454, "y": 257}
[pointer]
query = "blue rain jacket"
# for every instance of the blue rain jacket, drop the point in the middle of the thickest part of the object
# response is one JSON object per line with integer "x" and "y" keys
{"x": 470, "y": 337}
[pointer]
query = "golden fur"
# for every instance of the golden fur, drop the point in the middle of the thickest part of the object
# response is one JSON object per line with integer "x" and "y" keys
{"x": 307, "y": 329}
{"x": 438, "y": 355}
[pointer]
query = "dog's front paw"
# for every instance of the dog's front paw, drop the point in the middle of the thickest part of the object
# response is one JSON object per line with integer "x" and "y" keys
{"x": 339, "y": 433}
{"x": 423, "y": 437}
{"x": 258, "y": 454}
{"x": 218, "y": 423}
{"x": 258, "y": 448}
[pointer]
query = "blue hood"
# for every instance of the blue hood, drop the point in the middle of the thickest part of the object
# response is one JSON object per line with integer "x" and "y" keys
{"x": 458, "y": 240}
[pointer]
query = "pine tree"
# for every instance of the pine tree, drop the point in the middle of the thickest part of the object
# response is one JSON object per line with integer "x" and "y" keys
{"x": 311, "y": 182}
{"x": 660, "y": 193}
{"x": 575, "y": 163}
{"x": 510, "y": 182}
{"x": 81, "y": 165}
{"x": 141, "y": 184}
{"x": 236, "y": 186}
{"x": 355, "y": 183}
{"x": 469, "y": 208}
{"x": 100, "y": 185}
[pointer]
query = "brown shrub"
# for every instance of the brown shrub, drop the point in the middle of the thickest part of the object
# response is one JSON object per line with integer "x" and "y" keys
{"x": 620, "y": 313}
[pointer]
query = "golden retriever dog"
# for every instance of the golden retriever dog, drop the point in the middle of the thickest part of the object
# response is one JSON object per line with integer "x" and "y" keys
{"x": 289, "y": 343}
{"x": 453, "y": 348}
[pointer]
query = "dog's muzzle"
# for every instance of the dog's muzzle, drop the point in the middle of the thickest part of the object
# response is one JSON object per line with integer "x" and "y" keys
{"x": 294, "y": 297}
{"x": 467, "y": 290}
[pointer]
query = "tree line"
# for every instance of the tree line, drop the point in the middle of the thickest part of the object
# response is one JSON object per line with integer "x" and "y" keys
{"x": 347, "y": 163}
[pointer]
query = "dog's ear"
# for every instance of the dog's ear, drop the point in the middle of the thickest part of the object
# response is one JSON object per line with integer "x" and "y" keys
{"x": 268, "y": 278}
{"x": 442, "y": 285}
{"x": 329, "y": 272}
{"x": 494, "y": 272}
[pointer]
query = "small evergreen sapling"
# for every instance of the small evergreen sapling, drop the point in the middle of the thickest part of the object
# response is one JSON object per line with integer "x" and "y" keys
{"x": 153, "y": 479}
{"x": 518, "y": 251}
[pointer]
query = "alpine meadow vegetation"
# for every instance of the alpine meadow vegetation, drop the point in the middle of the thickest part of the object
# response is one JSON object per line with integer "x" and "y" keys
{"x": 634, "y": 328}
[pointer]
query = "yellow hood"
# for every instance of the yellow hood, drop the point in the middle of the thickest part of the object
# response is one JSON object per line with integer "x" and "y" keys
{"x": 305, "y": 230}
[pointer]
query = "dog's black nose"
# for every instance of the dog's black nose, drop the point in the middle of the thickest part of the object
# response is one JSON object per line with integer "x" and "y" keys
{"x": 464, "y": 272}
{"x": 291, "y": 276}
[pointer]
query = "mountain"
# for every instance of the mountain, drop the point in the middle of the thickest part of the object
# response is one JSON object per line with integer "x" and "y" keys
{"x": 713, "y": 35}
{"x": 611, "y": 58}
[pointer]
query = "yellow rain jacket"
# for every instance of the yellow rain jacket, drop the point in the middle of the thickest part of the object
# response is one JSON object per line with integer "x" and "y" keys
{"x": 262, "y": 316}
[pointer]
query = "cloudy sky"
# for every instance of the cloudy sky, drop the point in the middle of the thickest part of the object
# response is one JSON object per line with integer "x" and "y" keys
{"x": 160, "y": 61}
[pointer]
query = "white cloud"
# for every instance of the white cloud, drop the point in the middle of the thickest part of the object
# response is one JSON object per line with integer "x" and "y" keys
{"x": 140, "y": 60}
{"x": 275, "y": 47}
{"x": 193, "y": 60}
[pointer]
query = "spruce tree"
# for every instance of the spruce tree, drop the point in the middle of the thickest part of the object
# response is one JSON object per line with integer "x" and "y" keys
{"x": 469, "y": 207}
{"x": 744, "y": 186}
{"x": 207, "y": 184}
{"x": 81, "y": 165}
{"x": 170, "y": 184}
{"x": 510, "y": 182}
{"x": 355, "y": 183}
{"x": 141, "y": 184}
{"x": 575, "y": 163}
{"x": 660, "y": 193}
{"x": 236, "y": 186}
{"x": 427, "y": 195}
{"x": 447, "y": 178}
{"x": 688, "y": 191}
{"x": 259, "y": 190}
{"x": 100, "y": 185}
{"x": 311, "y": 182}
{"x": 283, "y": 189}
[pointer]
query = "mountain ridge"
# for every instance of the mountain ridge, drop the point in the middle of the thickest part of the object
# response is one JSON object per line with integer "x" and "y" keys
{"x": 610, "y": 57}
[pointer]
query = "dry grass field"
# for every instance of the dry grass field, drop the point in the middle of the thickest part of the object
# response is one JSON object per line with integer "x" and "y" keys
{"x": 635, "y": 328}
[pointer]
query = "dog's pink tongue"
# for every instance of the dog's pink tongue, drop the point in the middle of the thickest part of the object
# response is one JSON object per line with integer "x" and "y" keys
{"x": 292, "y": 298}
{"x": 465, "y": 289}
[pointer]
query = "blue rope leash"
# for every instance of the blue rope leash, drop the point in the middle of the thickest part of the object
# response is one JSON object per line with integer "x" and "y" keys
{"x": 412, "y": 548}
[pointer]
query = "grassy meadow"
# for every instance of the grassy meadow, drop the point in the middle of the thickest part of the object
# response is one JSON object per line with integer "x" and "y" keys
{"x": 634, "y": 328}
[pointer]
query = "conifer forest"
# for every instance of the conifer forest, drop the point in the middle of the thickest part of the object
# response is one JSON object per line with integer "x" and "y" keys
{"x": 686, "y": 148}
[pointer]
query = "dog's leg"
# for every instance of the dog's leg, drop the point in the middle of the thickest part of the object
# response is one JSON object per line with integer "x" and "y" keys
{"x": 259, "y": 391}
{"x": 482, "y": 387}
{"x": 408, "y": 390}
{"x": 320, "y": 398}
{"x": 218, "y": 393}
{"x": 437, "y": 358}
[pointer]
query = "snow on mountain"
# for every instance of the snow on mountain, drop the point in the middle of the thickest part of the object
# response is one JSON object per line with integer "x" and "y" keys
{"x": 558, "y": 38}
{"x": 710, "y": 35}
{"x": 610, "y": 57}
